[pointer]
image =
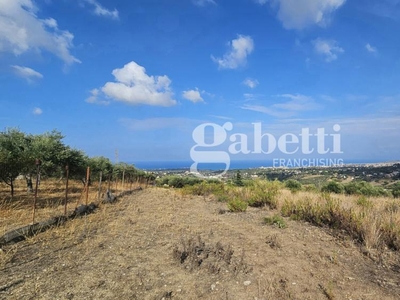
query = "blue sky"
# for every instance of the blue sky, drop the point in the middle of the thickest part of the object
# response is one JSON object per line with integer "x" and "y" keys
{"x": 139, "y": 76}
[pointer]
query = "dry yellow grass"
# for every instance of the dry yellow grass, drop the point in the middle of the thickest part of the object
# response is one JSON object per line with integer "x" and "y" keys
{"x": 126, "y": 251}
{"x": 18, "y": 211}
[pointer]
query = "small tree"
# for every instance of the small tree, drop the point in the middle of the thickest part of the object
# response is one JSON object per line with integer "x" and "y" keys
{"x": 333, "y": 187}
{"x": 238, "y": 179}
{"x": 15, "y": 156}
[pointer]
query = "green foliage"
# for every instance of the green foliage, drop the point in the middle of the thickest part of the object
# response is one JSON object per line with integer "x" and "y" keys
{"x": 15, "y": 155}
{"x": 275, "y": 220}
{"x": 293, "y": 185}
{"x": 237, "y": 205}
{"x": 263, "y": 193}
{"x": 178, "y": 181}
{"x": 100, "y": 164}
{"x": 205, "y": 188}
{"x": 396, "y": 190}
{"x": 333, "y": 187}
{"x": 365, "y": 188}
{"x": 238, "y": 179}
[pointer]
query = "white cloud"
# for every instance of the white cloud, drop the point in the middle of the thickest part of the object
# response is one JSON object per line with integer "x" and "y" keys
{"x": 37, "y": 111}
{"x": 133, "y": 86}
{"x": 22, "y": 31}
{"x": 240, "y": 48}
{"x": 99, "y": 10}
{"x": 27, "y": 73}
{"x": 370, "y": 48}
{"x": 95, "y": 98}
{"x": 203, "y": 2}
{"x": 251, "y": 83}
{"x": 327, "y": 48}
{"x": 296, "y": 104}
{"x": 193, "y": 96}
{"x": 299, "y": 14}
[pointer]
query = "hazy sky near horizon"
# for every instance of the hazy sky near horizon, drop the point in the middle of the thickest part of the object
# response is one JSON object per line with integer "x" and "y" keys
{"x": 139, "y": 76}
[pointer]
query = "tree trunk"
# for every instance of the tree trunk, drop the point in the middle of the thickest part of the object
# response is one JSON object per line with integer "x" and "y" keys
{"x": 29, "y": 184}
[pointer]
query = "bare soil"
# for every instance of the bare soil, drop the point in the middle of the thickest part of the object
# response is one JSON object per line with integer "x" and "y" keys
{"x": 158, "y": 244}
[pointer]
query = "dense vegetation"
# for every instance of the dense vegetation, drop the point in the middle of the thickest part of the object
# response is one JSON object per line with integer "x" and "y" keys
{"x": 22, "y": 154}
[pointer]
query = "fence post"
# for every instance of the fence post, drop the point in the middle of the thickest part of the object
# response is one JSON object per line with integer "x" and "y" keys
{"x": 37, "y": 163}
{"x": 87, "y": 184}
{"x": 66, "y": 190}
{"x": 123, "y": 179}
{"x": 99, "y": 193}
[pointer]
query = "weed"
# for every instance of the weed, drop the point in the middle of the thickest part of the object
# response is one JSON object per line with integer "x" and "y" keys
{"x": 237, "y": 205}
{"x": 275, "y": 220}
{"x": 362, "y": 201}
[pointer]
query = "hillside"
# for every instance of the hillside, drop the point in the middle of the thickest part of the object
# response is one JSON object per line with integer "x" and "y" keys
{"x": 158, "y": 244}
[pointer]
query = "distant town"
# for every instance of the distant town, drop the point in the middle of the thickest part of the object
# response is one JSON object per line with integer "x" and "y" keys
{"x": 380, "y": 173}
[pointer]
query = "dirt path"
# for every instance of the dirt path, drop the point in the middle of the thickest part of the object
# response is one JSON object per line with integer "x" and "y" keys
{"x": 158, "y": 244}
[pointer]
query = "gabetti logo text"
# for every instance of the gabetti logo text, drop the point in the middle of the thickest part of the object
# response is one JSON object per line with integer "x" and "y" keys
{"x": 263, "y": 143}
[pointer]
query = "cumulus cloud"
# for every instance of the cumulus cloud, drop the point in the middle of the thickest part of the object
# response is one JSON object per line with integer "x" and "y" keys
{"x": 100, "y": 10}
{"x": 299, "y": 14}
{"x": 133, "y": 86}
{"x": 294, "y": 104}
{"x": 203, "y": 2}
{"x": 37, "y": 111}
{"x": 26, "y": 73}
{"x": 251, "y": 83}
{"x": 240, "y": 48}
{"x": 22, "y": 31}
{"x": 193, "y": 96}
{"x": 370, "y": 48}
{"x": 327, "y": 48}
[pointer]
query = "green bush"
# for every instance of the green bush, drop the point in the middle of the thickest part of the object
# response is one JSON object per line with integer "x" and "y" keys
{"x": 333, "y": 187}
{"x": 396, "y": 190}
{"x": 293, "y": 185}
{"x": 178, "y": 181}
{"x": 205, "y": 188}
{"x": 237, "y": 205}
{"x": 263, "y": 193}
{"x": 365, "y": 188}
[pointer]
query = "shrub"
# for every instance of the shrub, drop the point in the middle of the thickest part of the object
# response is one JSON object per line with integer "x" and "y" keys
{"x": 263, "y": 193}
{"x": 275, "y": 220}
{"x": 205, "y": 189}
{"x": 364, "y": 202}
{"x": 293, "y": 185}
{"x": 396, "y": 190}
{"x": 364, "y": 188}
{"x": 333, "y": 187}
{"x": 237, "y": 205}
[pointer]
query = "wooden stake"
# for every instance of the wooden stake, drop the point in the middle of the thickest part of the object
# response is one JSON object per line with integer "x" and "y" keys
{"x": 38, "y": 163}
{"x": 66, "y": 190}
{"x": 87, "y": 185}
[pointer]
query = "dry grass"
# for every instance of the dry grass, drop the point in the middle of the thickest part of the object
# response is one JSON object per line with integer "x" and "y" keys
{"x": 18, "y": 211}
{"x": 129, "y": 250}
{"x": 374, "y": 221}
